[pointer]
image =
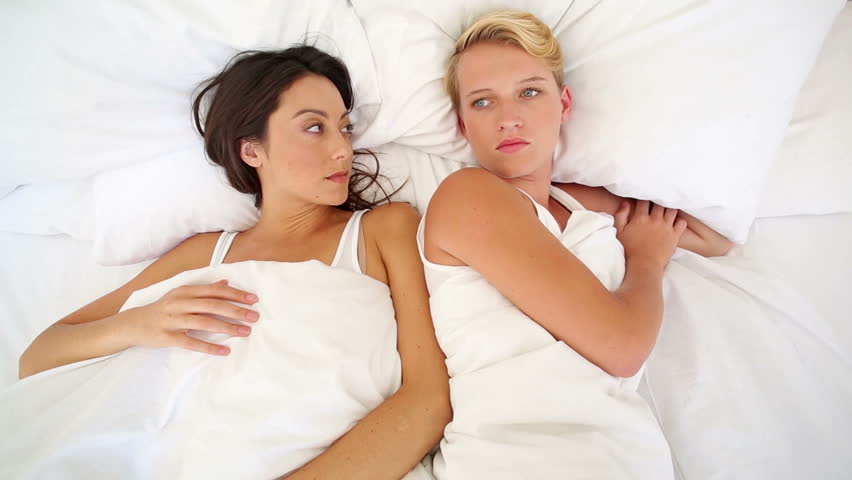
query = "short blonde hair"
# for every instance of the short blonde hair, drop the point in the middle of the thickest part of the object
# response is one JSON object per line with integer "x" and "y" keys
{"x": 510, "y": 27}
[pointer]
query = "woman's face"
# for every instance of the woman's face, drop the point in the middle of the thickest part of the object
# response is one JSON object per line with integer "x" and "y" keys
{"x": 510, "y": 109}
{"x": 307, "y": 154}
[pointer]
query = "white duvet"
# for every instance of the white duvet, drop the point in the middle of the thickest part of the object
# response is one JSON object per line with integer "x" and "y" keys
{"x": 321, "y": 357}
{"x": 748, "y": 379}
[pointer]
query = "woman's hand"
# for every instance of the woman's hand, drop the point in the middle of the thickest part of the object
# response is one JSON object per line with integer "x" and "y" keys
{"x": 697, "y": 237}
{"x": 649, "y": 232}
{"x": 165, "y": 322}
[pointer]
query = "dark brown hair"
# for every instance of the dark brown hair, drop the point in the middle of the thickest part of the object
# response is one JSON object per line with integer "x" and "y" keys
{"x": 246, "y": 93}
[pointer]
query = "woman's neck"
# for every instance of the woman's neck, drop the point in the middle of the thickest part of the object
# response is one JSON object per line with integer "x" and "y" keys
{"x": 280, "y": 221}
{"x": 536, "y": 185}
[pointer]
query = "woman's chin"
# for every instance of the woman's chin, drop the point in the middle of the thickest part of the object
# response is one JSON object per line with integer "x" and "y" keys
{"x": 509, "y": 170}
{"x": 338, "y": 199}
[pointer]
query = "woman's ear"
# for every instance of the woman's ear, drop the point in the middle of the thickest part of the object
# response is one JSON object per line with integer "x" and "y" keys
{"x": 462, "y": 127}
{"x": 250, "y": 153}
{"x": 567, "y": 102}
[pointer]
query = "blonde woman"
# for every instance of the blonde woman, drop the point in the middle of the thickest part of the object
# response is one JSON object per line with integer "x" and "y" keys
{"x": 546, "y": 298}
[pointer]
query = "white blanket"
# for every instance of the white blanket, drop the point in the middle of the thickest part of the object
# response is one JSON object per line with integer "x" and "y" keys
{"x": 321, "y": 357}
{"x": 748, "y": 380}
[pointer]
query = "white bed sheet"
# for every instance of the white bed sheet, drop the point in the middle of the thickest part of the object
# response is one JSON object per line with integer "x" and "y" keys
{"x": 43, "y": 278}
{"x": 814, "y": 255}
{"x": 749, "y": 376}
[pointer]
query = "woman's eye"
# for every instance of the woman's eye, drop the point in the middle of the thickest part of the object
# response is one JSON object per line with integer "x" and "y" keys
{"x": 530, "y": 92}
{"x": 481, "y": 103}
{"x": 315, "y": 128}
{"x": 348, "y": 129}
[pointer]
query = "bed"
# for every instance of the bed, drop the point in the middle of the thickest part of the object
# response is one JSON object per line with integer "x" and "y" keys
{"x": 750, "y": 376}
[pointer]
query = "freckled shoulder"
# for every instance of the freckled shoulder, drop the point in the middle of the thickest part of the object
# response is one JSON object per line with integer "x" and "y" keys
{"x": 392, "y": 220}
{"x": 389, "y": 238}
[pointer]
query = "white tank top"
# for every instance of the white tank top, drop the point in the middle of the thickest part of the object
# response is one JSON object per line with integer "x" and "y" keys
{"x": 583, "y": 226}
{"x": 349, "y": 254}
{"x": 526, "y": 405}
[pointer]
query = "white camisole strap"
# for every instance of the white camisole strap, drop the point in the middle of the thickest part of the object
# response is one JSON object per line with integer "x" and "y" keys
{"x": 346, "y": 255}
{"x": 222, "y": 247}
{"x": 565, "y": 199}
{"x": 347, "y": 251}
{"x": 560, "y": 196}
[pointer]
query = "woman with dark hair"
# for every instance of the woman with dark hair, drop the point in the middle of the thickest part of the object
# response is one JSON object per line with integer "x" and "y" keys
{"x": 309, "y": 306}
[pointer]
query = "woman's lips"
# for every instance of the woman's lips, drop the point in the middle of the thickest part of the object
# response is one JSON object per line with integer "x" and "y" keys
{"x": 339, "y": 177}
{"x": 513, "y": 146}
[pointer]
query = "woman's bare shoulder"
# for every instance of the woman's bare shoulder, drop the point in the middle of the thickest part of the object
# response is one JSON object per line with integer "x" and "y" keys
{"x": 472, "y": 198}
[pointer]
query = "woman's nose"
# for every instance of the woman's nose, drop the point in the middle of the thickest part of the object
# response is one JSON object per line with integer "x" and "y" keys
{"x": 341, "y": 150}
{"x": 509, "y": 118}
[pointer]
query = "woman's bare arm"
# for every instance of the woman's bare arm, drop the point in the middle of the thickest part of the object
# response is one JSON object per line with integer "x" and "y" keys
{"x": 98, "y": 329}
{"x": 393, "y": 438}
{"x": 698, "y": 237}
{"x": 485, "y": 223}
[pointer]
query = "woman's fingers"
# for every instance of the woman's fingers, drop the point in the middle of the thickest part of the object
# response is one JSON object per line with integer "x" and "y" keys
{"x": 679, "y": 227}
{"x": 657, "y": 211}
{"x": 654, "y": 211}
{"x": 621, "y": 215}
{"x": 222, "y": 308}
{"x": 208, "y": 308}
{"x": 212, "y": 306}
{"x": 670, "y": 216}
{"x": 183, "y": 340}
{"x": 642, "y": 209}
{"x": 214, "y": 325}
{"x": 220, "y": 290}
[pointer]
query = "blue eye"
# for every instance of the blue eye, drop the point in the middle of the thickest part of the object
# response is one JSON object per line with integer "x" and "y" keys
{"x": 481, "y": 103}
{"x": 530, "y": 92}
{"x": 315, "y": 128}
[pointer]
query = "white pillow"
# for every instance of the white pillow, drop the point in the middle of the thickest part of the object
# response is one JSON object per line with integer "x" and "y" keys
{"x": 53, "y": 208}
{"x": 688, "y": 108}
{"x": 97, "y": 86}
{"x": 413, "y": 174}
{"x": 410, "y": 45}
{"x": 685, "y": 105}
{"x": 813, "y": 172}
{"x": 145, "y": 210}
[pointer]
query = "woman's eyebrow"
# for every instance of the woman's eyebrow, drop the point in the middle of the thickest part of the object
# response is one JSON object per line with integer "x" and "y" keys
{"x": 484, "y": 90}
{"x": 533, "y": 79}
{"x": 481, "y": 90}
{"x": 317, "y": 112}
